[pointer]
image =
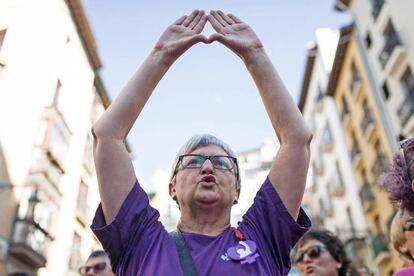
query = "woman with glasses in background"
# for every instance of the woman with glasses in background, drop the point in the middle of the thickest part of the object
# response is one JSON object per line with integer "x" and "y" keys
{"x": 398, "y": 182}
{"x": 205, "y": 181}
{"x": 321, "y": 253}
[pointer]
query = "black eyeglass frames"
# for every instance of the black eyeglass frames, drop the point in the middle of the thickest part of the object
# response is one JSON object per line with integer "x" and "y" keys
{"x": 222, "y": 162}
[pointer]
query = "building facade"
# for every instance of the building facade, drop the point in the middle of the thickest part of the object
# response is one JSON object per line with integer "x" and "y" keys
{"x": 254, "y": 166}
{"x": 332, "y": 185}
{"x": 51, "y": 93}
{"x": 367, "y": 142}
{"x": 385, "y": 31}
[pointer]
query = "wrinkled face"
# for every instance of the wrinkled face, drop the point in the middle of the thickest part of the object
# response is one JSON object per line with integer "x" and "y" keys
{"x": 206, "y": 186}
{"x": 322, "y": 264}
{"x": 99, "y": 266}
{"x": 409, "y": 236}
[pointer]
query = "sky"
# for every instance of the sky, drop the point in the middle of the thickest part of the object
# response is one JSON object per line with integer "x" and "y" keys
{"x": 207, "y": 90}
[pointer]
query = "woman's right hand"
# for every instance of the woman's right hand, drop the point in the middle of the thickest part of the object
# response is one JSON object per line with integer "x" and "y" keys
{"x": 181, "y": 35}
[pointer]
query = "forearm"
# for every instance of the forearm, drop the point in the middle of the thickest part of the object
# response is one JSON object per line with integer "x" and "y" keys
{"x": 284, "y": 114}
{"x": 118, "y": 119}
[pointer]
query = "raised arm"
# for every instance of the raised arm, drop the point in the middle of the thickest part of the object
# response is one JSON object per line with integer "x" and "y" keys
{"x": 290, "y": 165}
{"x": 112, "y": 162}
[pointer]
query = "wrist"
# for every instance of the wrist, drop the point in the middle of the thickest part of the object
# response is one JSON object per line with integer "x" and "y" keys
{"x": 162, "y": 58}
{"x": 254, "y": 55}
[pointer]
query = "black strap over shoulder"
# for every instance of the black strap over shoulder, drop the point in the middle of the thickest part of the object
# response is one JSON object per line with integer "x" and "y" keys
{"x": 186, "y": 261}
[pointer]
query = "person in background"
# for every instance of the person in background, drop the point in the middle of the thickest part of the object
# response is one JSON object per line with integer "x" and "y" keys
{"x": 402, "y": 238}
{"x": 97, "y": 264}
{"x": 321, "y": 253}
{"x": 398, "y": 182}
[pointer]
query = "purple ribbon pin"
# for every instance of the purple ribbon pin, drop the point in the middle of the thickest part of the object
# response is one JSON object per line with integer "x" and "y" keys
{"x": 244, "y": 251}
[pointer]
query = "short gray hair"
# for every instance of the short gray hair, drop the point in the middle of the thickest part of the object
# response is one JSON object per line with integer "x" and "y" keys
{"x": 203, "y": 140}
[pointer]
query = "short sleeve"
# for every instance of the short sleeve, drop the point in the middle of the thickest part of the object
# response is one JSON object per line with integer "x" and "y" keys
{"x": 269, "y": 220}
{"x": 134, "y": 218}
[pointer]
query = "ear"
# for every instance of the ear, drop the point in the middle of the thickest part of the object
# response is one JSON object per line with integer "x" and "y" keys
{"x": 403, "y": 248}
{"x": 171, "y": 190}
{"x": 412, "y": 185}
{"x": 238, "y": 193}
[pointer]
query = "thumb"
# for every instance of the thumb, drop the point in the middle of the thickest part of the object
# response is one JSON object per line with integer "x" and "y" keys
{"x": 198, "y": 38}
{"x": 217, "y": 37}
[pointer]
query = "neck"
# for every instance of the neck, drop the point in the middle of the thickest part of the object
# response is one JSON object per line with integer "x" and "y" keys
{"x": 206, "y": 223}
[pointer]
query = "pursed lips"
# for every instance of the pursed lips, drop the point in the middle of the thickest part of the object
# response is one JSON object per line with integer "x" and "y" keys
{"x": 208, "y": 179}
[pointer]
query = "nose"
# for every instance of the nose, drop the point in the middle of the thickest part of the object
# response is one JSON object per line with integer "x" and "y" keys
{"x": 306, "y": 259}
{"x": 207, "y": 167}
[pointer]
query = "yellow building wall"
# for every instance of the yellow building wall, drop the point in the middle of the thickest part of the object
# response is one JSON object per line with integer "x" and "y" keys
{"x": 371, "y": 142}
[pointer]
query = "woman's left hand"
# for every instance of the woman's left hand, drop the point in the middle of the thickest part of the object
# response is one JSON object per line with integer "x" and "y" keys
{"x": 234, "y": 34}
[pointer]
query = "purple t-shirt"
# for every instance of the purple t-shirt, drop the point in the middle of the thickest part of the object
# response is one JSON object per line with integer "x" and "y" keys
{"x": 409, "y": 271}
{"x": 138, "y": 243}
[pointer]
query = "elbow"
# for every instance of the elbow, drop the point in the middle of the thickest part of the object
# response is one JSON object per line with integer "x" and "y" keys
{"x": 102, "y": 132}
{"x": 300, "y": 137}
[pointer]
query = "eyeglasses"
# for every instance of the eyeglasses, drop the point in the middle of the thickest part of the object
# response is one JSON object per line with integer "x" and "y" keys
{"x": 402, "y": 144}
{"x": 99, "y": 267}
{"x": 409, "y": 225}
{"x": 312, "y": 252}
{"x": 193, "y": 161}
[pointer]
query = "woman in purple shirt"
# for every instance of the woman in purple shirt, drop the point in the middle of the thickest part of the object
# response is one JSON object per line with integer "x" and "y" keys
{"x": 205, "y": 181}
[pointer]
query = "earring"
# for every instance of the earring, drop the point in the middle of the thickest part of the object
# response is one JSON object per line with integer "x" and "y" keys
{"x": 235, "y": 201}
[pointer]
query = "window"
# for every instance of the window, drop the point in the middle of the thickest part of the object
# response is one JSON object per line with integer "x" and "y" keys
{"x": 320, "y": 95}
{"x": 75, "y": 260}
{"x": 350, "y": 220}
{"x": 355, "y": 78}
{"x": 391, "y": 39}
{"x": 88, "y": 155}
{"x": 385, "y": 90}
{"x": 368, "y": 40}
{"x": 355, "y": 148}
{"x": 407, "y": 107}
{"x": 407, "y": 81}
{"x": 57, "y": 93}
{"x": 368, "y": 118}
{"x": 2, "y": 35}
{"x": 327, "y": 138}
{"x": 381, "y": 162}
{"x": 82, "y": 195}
{"x": 339, "y": 174}
{"x": 376, "y": 7}
{"x": 345, "y": 109}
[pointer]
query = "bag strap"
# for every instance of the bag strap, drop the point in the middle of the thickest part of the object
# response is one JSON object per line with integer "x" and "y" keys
{"x": 186, "y": 261}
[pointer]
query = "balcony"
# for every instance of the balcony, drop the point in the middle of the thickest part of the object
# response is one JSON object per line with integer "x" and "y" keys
{"x": 29, "y": 243}
{"x": 391, "y": 42}
{"x": 56, "y": 137}
{"x": 367, "y": 197}
{"x": 356, "y": 87}
{"x": 380, "y": 249}
{"x": 368, "y": 124}
{"x": 356, "y": 155}
{"x": 327, "y": 139}
{"x": 407, "y": 108}
{"x": 338, "y": 188}
{"x": 318, "y": 166}
{"x": 377, "y": 7}
{"x": 381, "y": 165}
{"x": 82, "y": 213}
